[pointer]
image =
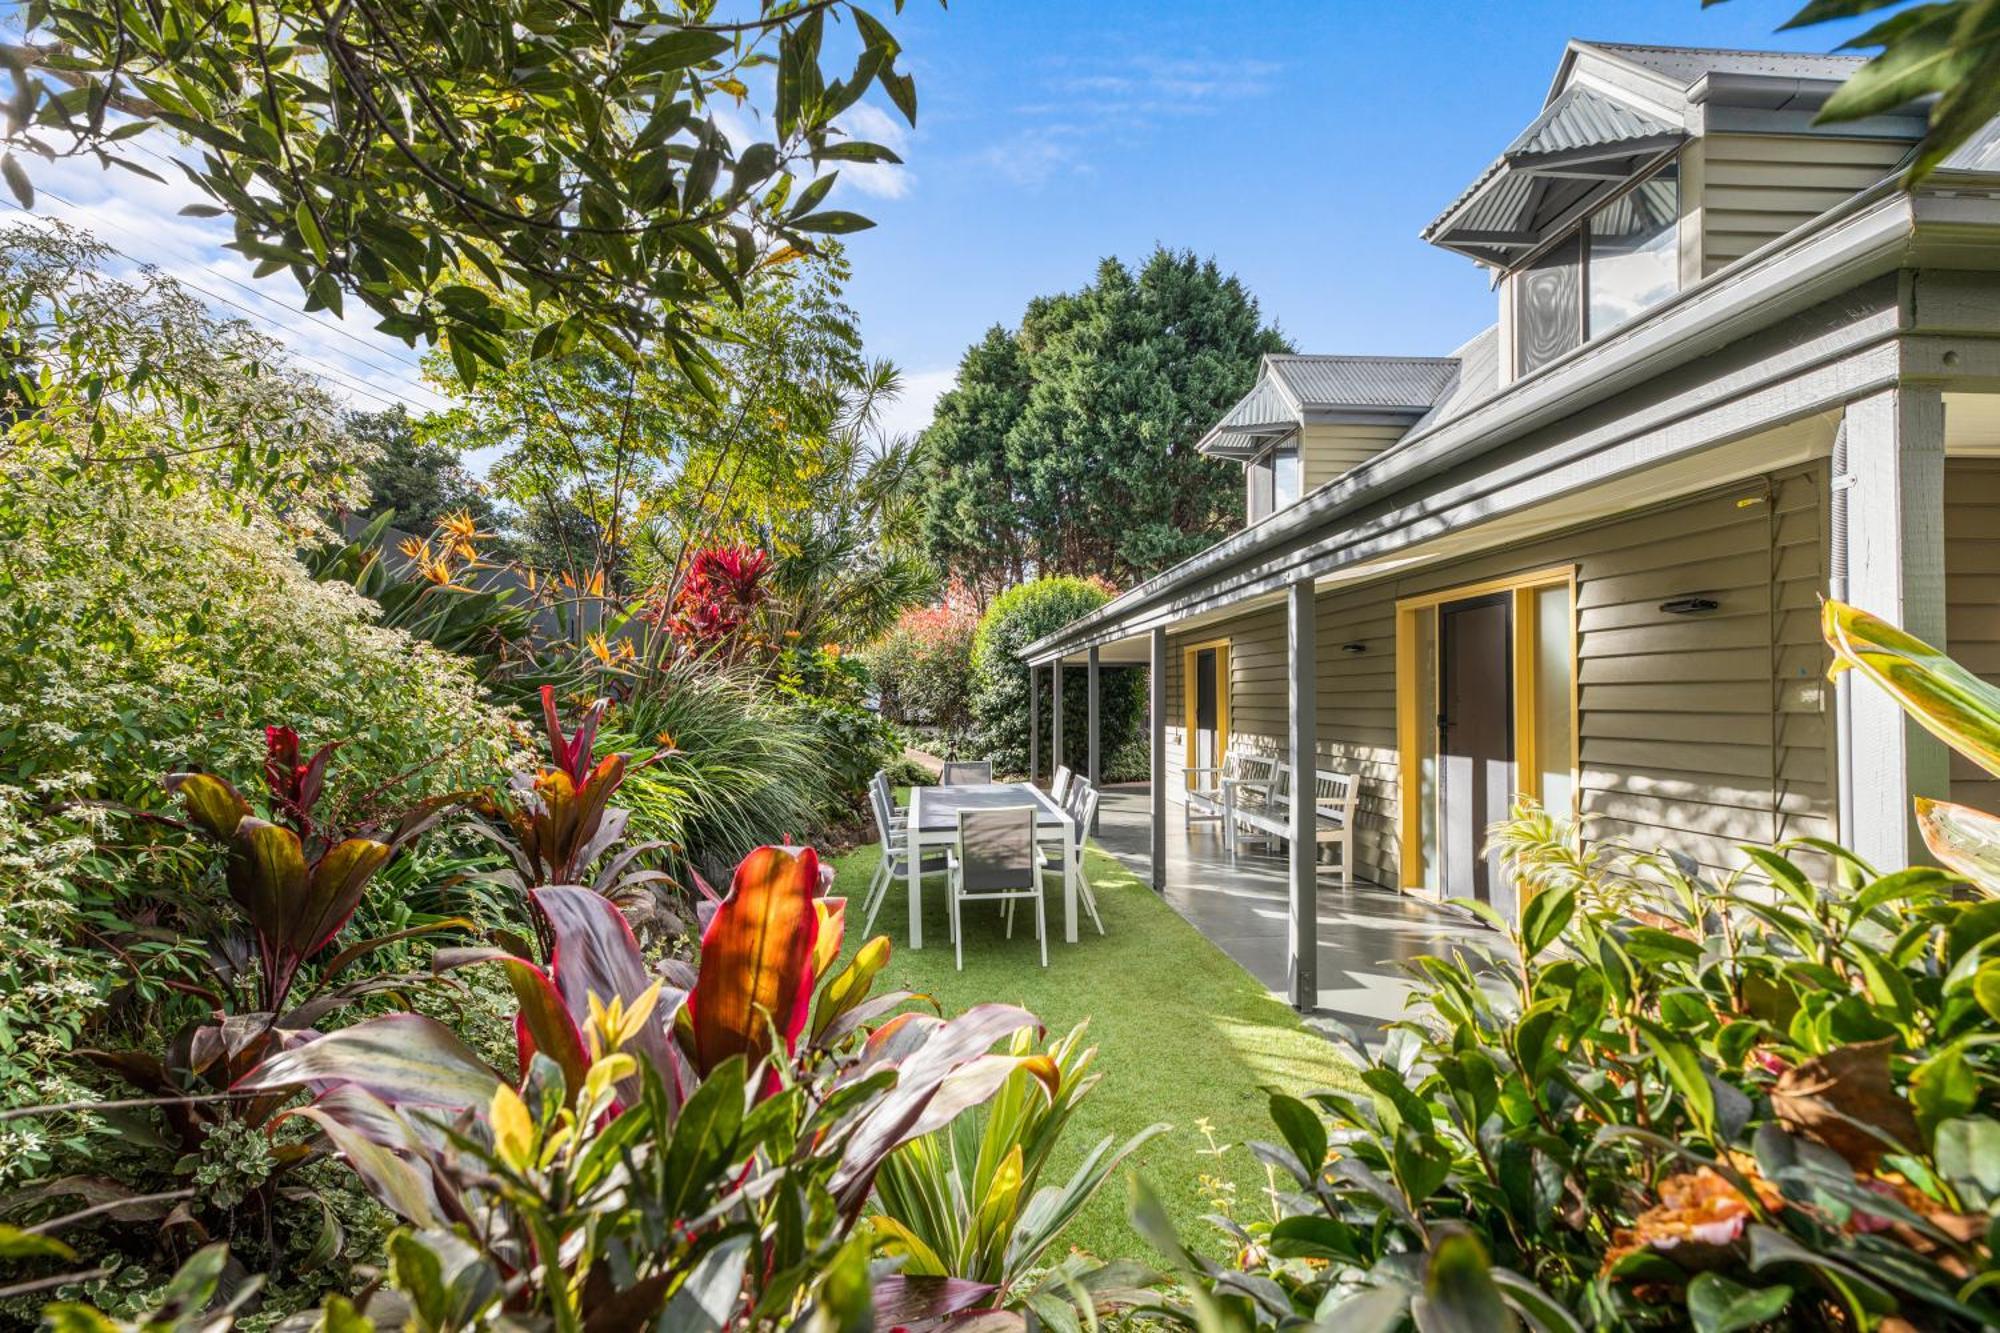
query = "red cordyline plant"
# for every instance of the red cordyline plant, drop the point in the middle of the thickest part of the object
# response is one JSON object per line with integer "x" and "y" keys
{"x": 557, "y": 822}
{"x": 657, "y": 1147}
{"x": 297, "y": 882}
{"x": 717, "y": 598}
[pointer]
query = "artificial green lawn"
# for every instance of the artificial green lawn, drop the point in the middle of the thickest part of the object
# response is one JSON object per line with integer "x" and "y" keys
{"x": 1182, "y": 1032}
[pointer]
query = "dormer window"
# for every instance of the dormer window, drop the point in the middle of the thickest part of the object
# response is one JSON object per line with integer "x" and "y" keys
{"x": 1618, "y": 263}
{"x": 1276, "y": 480}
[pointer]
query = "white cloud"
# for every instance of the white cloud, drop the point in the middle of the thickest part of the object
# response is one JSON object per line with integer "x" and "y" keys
{"x": 871, "y": 124}
{"x": 1081, "y": 103}
{"x": 912, "y": 411}
{"x": 1034, "y": 157}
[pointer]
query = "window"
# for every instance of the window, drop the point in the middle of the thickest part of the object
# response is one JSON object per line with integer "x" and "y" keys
{"x": 1633, "y": 261}
{"x": 1258, "y": 475}
{"x": 1274, "y": 481}
{"x": 1619, "y": 263}
{"x": 1548, "y": 317}
{"x": 1285, "y": 477}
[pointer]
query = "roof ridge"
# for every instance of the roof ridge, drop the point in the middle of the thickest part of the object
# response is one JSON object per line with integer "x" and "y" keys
{"x": 1354, "y": 356}
{"x": 1715, "y": 50}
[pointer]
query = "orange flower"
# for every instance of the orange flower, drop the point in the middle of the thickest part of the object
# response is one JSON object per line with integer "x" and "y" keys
{"x": 1699, "y": 1210}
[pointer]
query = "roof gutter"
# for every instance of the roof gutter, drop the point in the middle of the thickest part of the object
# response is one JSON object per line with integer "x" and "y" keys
{"x": 1866, "y": 229}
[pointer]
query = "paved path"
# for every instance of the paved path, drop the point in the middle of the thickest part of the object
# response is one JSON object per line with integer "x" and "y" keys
{"x": 1365, "y": 932}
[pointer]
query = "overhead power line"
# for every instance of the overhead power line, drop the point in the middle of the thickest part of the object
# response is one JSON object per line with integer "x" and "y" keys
{"x": 383, "y": 395}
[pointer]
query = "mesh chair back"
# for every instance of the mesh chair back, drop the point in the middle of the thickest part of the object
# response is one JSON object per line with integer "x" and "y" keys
{"x": 997, "y": 848}
{"x": 1085, "y": 813}
{"x": 879, "y": 800}
{"x": 888, "y": 793}
{"x": 966, "y": 772}
{"x": 1059, "y": 784}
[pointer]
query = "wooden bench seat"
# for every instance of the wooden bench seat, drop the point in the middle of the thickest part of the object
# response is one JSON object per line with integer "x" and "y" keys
{"x": 1263, "y": 806}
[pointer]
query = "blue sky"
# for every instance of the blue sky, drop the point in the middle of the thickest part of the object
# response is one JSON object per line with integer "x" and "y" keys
{"x": 1302, "y": 145}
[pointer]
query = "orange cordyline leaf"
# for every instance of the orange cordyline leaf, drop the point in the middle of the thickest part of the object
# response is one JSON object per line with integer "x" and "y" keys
{"x": 757, "y": 957}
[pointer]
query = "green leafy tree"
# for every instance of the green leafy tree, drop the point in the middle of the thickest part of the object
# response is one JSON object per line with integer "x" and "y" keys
{"x": 1015, "y": 619}
{"x": 1069, "y": 447}
{"x": 421, "y": 480}
{"x": 972, "y": 504}
{"x": 420, "y": 157}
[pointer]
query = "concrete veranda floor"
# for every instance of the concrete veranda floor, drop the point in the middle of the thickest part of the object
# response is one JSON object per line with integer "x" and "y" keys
{"x": 1365, "y": 932}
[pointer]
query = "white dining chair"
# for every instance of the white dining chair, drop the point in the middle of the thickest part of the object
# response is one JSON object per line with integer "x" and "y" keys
{"x": 1059, "y": 784}
{"x": 897, "y": 814}
{"x": 894, "y": 865}
{"x": 1082, "y": 809}
{"x": 995, "y": 860}
{"x": 965, "y": 773}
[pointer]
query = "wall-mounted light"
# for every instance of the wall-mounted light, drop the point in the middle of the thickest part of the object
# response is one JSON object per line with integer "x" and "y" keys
{"x": 1690, "y": 606}
{"x": 1353, "y": 647}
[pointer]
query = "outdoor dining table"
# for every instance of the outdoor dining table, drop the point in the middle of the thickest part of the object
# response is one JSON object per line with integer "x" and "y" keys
{"x": 933, "y": 822}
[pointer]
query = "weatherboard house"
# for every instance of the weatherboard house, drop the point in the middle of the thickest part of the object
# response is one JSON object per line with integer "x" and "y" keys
{"x": 1737, "y": 368}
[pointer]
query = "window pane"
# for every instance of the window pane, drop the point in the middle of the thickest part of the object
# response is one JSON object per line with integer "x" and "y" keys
{"x": 1285, "y": 479}
{"x": 1555, "y": 743}
{"x": 1634, "y": 262}
{"x": 1548, "y": 318}
{"x": 1260, "y": 488}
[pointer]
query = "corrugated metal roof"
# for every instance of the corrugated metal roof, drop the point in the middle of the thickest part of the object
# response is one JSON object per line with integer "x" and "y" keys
{"x": 1263, "y": 408}
{"x": 1478, "y": 377}
{"x": 1514, "y": 198}
{"x": 1582, "y": 118}
{"x": 1364, "y": 381}
{"x": 1979, "y": 153}
{"x": 1686, "y": 65}
{"x": 1291, "y": 385}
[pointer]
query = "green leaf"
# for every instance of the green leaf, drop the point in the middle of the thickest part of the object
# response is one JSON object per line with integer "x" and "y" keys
{"x": 17, "y": 180}
{"x": 1460, "y": 1295}
{"x": 1545, "y": 916}
{"x": 677, "y": 49}
{"x": 16, "y": 1244}
{"x": 309, "y": 230}
{"x": 1313, "y": 1236}
{"x": 834, "y": 222}
{"x": 1953, "y": 704}
{"x": 1943, "y": 1087}
{"x": 1968, "y": 1155}
{"x": 1717, "y": 1305}
{"x": 1682, "y": 1066}
{"x": 1422, "y": 1162}
{"x": 1304, "y": 1131}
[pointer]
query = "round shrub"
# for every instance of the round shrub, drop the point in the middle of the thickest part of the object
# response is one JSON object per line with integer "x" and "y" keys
{"x": 1015, "y": 619}
{"x": 922, "y": 669}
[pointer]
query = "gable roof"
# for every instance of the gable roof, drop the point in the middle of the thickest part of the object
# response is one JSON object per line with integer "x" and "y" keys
{"x": 1333, "y": 382}
{"x": 1293, "y": 390}
{"x": 1614, "y": 110}
{"x": 1688, "y": 65}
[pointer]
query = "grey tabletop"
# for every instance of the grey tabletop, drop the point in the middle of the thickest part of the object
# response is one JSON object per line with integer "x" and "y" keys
{"x": 937, "y": 809}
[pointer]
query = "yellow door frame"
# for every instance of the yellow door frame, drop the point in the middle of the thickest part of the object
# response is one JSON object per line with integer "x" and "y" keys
{"x": 1411, "y": 711}
{"x": 1188, "y": 654}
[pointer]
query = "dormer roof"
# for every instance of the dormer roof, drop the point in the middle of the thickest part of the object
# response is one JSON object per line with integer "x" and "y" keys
{"x": 1613, "y": 112}
{"x": 1294, "y": 390}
